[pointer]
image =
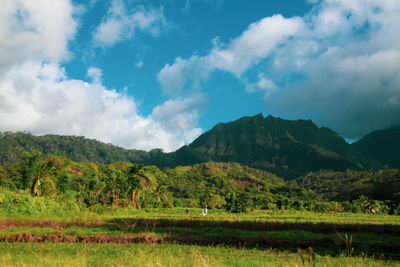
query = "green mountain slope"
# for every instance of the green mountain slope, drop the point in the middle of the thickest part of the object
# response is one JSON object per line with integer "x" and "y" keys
{"x": 288, "y": 148}
{"x": 382, "y": 146}
{"x": 73, "y": 147}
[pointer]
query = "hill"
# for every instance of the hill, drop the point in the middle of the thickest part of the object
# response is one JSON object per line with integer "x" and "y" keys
{"x": 382, "y": 146}
{"x": 216, "y": 185}
{"x": 76, "y": 148}
{"x": 287, "y": 148}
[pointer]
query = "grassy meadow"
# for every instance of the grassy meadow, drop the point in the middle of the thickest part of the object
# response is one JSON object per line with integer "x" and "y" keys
{"x": 183, "y": 237}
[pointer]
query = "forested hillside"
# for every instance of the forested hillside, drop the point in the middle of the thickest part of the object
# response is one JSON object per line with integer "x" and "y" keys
{"x": 76, "y": 148}
{"x": 230, "y": 186}
{"x": 382, "y": 146}
{"x": 287, "y": 148}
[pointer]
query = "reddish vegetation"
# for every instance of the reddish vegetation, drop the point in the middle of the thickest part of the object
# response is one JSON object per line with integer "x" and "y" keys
{"x": 144, "y": 183}
{"x": 189, "y": 238}
{"x": 247, "y": 181}
{"x": 73, "y": 170}
{"x": 212, "y": 171}
{"x": 27, "y": 237}
{"x": 324, "y": 228}
{"x": 46, "y": 223}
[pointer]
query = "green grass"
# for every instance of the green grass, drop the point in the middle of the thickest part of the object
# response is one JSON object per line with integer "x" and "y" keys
{"x": 260, "y": 238}
{"x": 162, "y": 255}
{"x": 289, "y": 216}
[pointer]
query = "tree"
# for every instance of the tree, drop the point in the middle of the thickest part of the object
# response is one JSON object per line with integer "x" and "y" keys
{"x": 161, "y": 194}
{"x": 30, "y": 165}
{"x": 136, "y": 184}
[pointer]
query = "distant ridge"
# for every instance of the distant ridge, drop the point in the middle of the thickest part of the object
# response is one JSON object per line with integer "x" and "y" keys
{"x": 286, "y": 148}
{"x": 382, "y": 146}
{"x": 76, "y": 148}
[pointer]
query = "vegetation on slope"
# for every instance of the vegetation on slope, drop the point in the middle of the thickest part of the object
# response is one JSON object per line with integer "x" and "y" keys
{"x": 76, "y": 148}
{"x": 28, "y": 184}
{"x": 287, "y": 148}
{"x": 382, "y": 146}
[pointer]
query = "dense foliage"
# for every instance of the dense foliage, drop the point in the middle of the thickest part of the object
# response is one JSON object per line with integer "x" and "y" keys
{"x": 12, "y": 145}
{"x": 86, "y": 185}
{"x": 287, "y": 148}
{"x": 382, "y": 146}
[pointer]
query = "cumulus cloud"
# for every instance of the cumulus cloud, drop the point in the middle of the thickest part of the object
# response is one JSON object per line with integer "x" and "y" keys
{"x": 338, "y": 64}
{"x": 36, "y": 95}
{"x": 255, "y": 44}
{"x": 181, "y": 116}
{"x": 95, "y": 74}
{"x": 40, "y": 98}
{"x": 35, "y": 29}
{"x": 119, "y": 24}
{"x": 347, "y": 64}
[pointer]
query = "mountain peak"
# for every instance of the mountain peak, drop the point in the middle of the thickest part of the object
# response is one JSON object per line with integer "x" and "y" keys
{"x": 286, "y": 147}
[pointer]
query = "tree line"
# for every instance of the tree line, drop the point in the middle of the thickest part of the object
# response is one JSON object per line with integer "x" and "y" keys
{"x": 229, "y": 186}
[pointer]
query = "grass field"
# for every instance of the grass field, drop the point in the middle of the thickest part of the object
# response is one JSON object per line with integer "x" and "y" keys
{"x": 171, "y": 237}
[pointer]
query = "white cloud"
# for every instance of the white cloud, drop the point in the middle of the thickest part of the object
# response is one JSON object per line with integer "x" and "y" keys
{"x": 36, "y": 94}
{"x": 139, "y": 64}
{"x": 265, "y": 83}
{"x": 95, "y": 74}
{"x": 348, "y": 59}
{"x": 172, "y": 76}
{"x": 339, "y": 64}
{"x": 40, "y": 98}
{"x": 35, "y": 30}
{"x": 255, "y": 44}
{"x": 181, "y": 116}
{"x": 119, "y": 24}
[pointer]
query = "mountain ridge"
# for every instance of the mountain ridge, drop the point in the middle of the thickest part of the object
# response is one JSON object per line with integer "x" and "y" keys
{"x": 285, "y": 147}
{"x": 289, "y": 148}
{"x": 381, "y": 145}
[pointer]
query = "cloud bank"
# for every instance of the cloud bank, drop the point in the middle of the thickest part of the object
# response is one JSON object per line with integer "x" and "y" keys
{"x": 339, "y": 65}
{"x": 36, "y": 95}
{"x": 348, "y": 61}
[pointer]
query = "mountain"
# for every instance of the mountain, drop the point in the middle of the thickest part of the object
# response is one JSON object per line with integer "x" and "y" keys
{"x": 287, "y": 148}
{"x": 382, "y": 146}
{"x": 76, "y": 148}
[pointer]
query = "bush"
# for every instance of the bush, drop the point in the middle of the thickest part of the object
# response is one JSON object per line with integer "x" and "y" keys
{"x": 23, "y": 204}
{"x": 241, "y": 203}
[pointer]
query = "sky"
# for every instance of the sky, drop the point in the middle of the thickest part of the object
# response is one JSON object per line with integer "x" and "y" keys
{"x": 145, "y": 74}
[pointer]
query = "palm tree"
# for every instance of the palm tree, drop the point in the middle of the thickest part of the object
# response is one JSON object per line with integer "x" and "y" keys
{"x": 161, "y": 193}
{"x": 42, "y": 183}
{"x": 136, "y": 184}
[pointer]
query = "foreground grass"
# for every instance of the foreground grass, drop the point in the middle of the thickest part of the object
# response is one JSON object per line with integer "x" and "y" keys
{"x": 288, "y": 216}
{"x": 260, "y": 238}
{"x": 64, "y": 254}
{"x": 285, "y": 216}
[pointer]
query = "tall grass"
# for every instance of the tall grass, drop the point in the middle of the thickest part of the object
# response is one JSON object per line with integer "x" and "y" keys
{"x": 162, "y": 255}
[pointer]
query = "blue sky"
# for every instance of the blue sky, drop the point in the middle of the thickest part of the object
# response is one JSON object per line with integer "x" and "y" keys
{"x": 191, "y": 26}
{"x": 156, "y": 74}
